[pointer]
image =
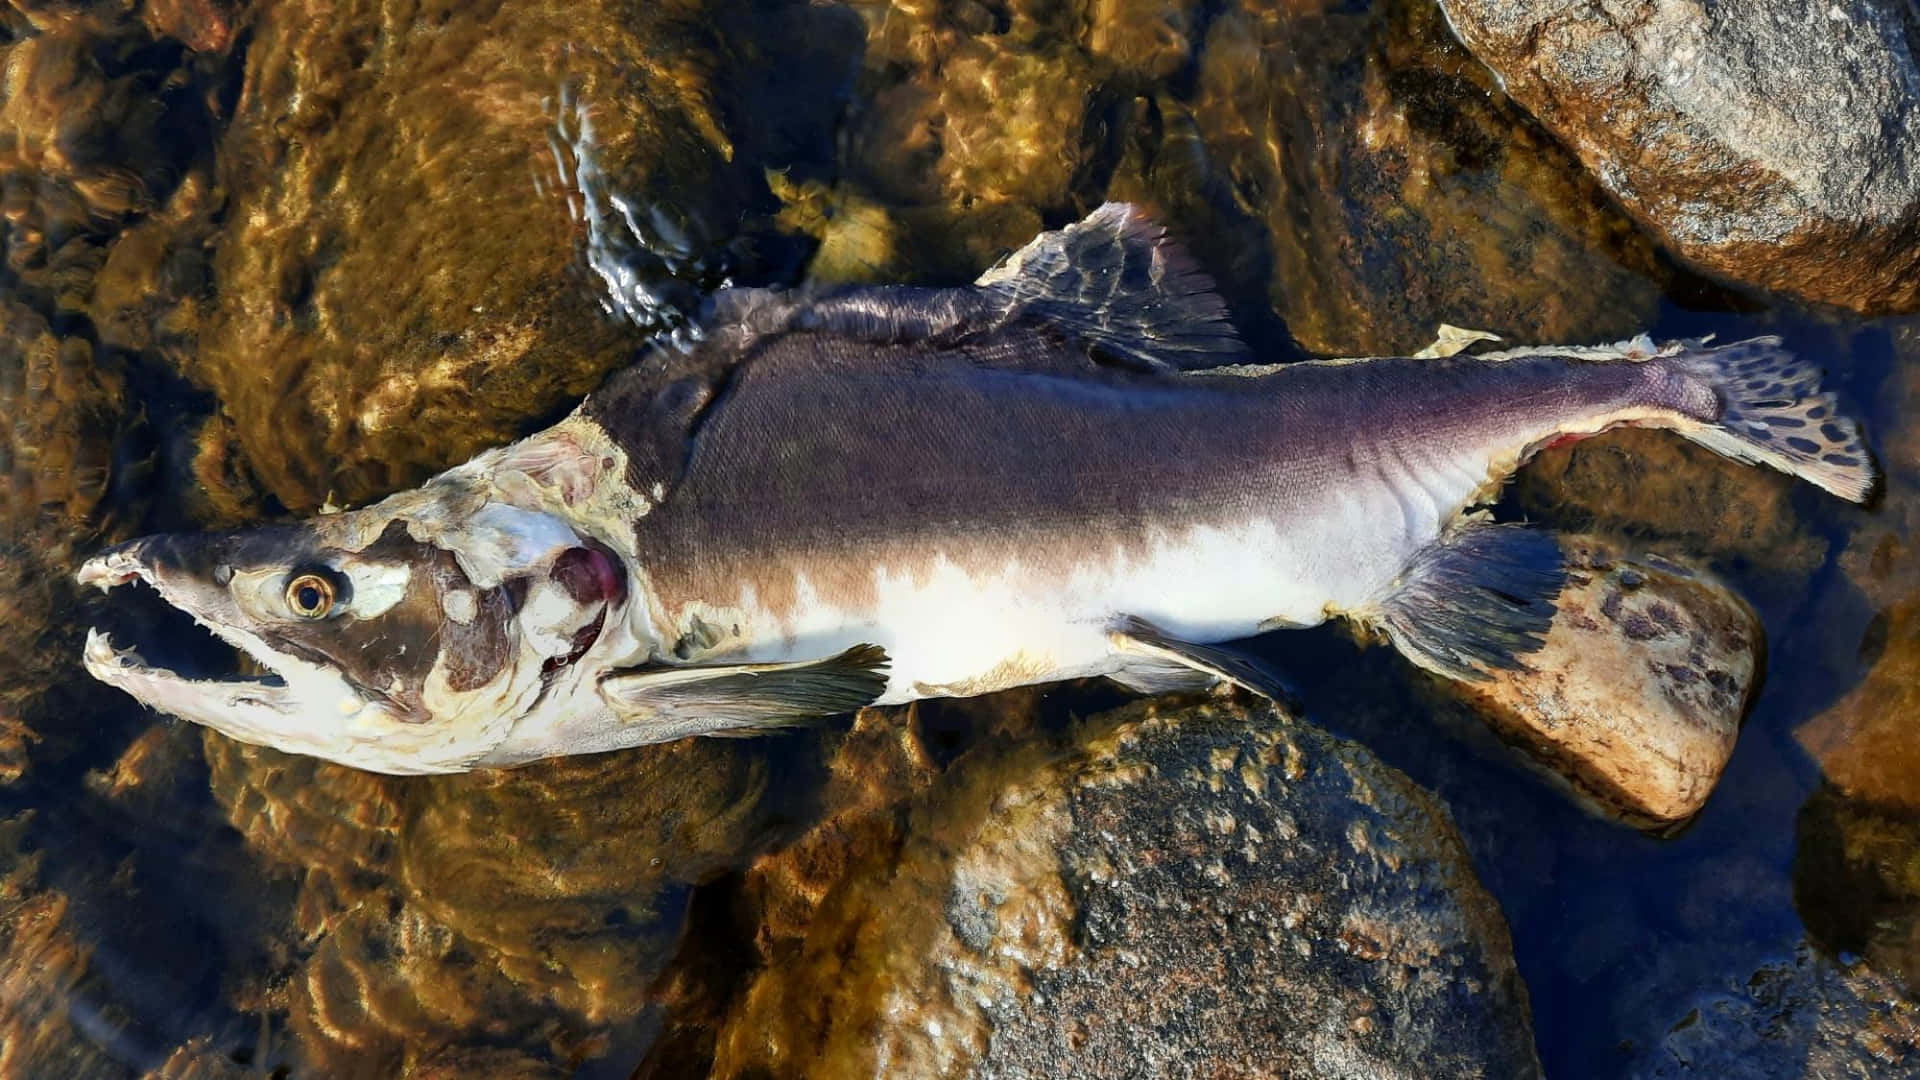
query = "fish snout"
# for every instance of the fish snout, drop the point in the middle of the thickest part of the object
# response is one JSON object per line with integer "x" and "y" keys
{"x": 117, "y": 565}
{"x": 160, "y": 560}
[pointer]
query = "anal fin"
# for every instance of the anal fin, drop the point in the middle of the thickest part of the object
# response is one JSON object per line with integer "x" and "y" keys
{"x": 742, "y": 699}
{"x": 1161, "y": 651}
{"x": 1473, "y": 601}
{"x": 1153, "y": 678}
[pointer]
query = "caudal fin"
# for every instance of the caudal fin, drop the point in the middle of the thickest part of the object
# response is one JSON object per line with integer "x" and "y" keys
{"x": 1773, "y": 412}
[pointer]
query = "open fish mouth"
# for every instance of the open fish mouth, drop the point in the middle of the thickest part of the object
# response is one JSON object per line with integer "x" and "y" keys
{"x": 166, "y": 687}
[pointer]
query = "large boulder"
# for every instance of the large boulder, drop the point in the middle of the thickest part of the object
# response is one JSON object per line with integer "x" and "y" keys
{"x": 1207, "y": 891}
{"x": 1775, "y": 144}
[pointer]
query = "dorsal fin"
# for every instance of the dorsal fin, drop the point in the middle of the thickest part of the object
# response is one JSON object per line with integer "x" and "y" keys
{"x": 1113, "y": 281}
{"x": 1116, "y": 281}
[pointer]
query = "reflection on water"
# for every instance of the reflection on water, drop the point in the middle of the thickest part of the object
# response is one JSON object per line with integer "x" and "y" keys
{"x": 260, "y": 256}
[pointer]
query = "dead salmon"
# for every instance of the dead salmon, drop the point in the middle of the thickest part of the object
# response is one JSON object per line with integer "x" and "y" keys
{"x": 828, "y": 500}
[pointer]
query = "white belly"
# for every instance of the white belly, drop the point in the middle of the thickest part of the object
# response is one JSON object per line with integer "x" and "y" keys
{"x": 956, "y": 629}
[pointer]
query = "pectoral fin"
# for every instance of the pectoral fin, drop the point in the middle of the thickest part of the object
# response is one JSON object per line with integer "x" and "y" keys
{"x": 742, "y": 699}
{"x": 1162, "y": 654}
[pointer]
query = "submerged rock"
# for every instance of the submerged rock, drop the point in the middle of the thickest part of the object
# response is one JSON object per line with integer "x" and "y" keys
{"x": 1342, "y": 168}
{"x": 1636, "y": 698}
{"x": 1803, "y": 1016}
{"x": 1856, "y": 881}
{"x": 398, "y": 281}
{"x": 1775, "y": 144}
{"x": 1388, "y": 189}
{"x": 531, "y": 910}
{"x": 1866, "y": 741}
{"x": 1656, "y": 488}
{"x": 1205, "y": 891}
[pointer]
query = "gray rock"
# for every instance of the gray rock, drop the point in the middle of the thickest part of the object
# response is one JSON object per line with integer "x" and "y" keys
{"x": 1204, "y": 892}
{"x": 1776, "y": 144}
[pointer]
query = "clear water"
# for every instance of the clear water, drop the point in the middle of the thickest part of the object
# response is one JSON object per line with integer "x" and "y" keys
{"x": 324, "y": 256}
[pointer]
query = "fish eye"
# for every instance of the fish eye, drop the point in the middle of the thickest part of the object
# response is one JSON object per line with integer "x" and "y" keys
{"x": 311, "y": 595}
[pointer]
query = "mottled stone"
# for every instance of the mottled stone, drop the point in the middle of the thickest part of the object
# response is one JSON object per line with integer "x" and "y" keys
{"x": 1209, "y": 892}
{"x": 1776, "y": 144}
{"x": 1636, "y": 697}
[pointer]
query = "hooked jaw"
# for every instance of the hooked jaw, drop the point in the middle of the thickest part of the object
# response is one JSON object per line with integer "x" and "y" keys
{"x": 275, "y": 709}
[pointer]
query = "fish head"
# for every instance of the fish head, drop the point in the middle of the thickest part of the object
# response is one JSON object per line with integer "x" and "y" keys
{"x": 403, "y": 638}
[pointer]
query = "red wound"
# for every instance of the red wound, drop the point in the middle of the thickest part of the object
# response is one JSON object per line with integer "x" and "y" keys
{"x": 590, "y": 575}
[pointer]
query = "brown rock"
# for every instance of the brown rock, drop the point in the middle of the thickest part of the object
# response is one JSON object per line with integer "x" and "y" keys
{"x": 1866, "y": 742}
{"x": 395, "y": 291}
{"x": 1387, "y": 189}
{"x": 1206, "y": 891}
{"x": 1775, "y": 144}
{"x": 1636, "y": 698}
{"x": 1656, "y": 487}
{"x": 202, "y": 25}
{"x": 1856, "y": 880}
{"x": 1348, "y": 169}
{"x": 531, "y": 910}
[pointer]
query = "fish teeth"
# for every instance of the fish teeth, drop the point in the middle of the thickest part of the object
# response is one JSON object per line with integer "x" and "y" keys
{"x": 100, "y": 653}
{"x": 106, "y": 571}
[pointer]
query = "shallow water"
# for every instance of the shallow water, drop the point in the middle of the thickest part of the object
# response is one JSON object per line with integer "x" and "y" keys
{"x": 260, "y": 257}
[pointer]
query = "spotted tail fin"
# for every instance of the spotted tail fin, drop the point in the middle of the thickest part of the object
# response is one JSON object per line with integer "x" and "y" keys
{"x": 1773, "y": 412}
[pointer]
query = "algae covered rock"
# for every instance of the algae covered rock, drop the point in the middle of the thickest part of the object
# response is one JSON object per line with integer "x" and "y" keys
{"x": 1636, "y": 697}
{"x": 531, "y": 911}
{"x": 1208, "y": 891}
{"x": 398, "y": 279}
{"x": 1775, "y": 144}
{"x": 1391, "y": 188}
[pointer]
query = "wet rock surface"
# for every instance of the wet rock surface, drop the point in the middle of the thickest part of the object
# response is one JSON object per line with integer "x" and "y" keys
{"x": 256, "y": 254}
{"x": 1802, "y": 1016}
{"x": 1202, "y": 890}
{"x": 1773, "y": 144}
{"x": 1636, "y": 698}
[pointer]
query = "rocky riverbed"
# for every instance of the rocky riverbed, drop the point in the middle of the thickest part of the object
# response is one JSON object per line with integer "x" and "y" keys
{"x": 264, "y": 255}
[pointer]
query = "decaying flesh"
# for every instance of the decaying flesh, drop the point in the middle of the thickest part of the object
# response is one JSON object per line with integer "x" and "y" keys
{"x": 877, "y": 495}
